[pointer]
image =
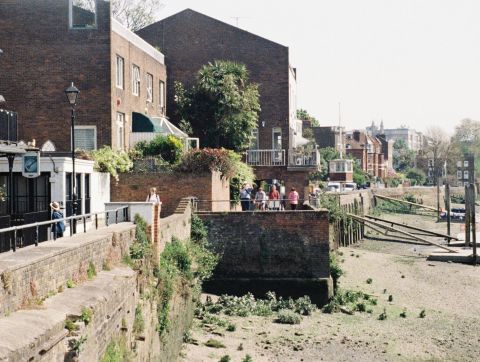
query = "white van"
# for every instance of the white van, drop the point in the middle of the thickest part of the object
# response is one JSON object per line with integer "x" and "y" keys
{"x": 334, "y": 186}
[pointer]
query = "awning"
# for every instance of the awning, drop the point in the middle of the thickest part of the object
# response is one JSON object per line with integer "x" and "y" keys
{"x": 143, "y": 123}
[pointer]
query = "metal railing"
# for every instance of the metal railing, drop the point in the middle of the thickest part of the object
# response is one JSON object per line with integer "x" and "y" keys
{"x": 265, "y": 157}
{"x": 120, "y": 214}
{"x": 304, "y": 158}
{"x": 244, "y": 205}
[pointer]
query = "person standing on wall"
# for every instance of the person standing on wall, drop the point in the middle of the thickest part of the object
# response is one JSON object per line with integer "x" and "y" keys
{"x": 274, "y": 198}
{"x": 153, "y": 196}
{"x": 59, "y": 227}
{"x": 293, "y": 198}
{"x": 245, "y": 196}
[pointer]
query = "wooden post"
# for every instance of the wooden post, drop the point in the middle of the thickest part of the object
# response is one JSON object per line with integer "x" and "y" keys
{"x": 448, "y": 208}
{"x": 467, "y": 216}
{"x": 474, "y": 224}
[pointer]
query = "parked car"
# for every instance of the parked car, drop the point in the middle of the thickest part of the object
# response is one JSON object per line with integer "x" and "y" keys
{"x": 457, "y": 213}
{"x": 350, "y": 186}
{"x": 334, "y": 186}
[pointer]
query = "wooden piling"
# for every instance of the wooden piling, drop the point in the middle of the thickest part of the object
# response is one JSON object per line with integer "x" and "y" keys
{"x": 467, "y": 216}
{"x": 448, "y": 208}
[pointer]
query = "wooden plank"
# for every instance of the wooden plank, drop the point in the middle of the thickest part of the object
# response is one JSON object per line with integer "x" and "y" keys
{"x": 406, "y": 202}
{"x": 446, "y": 236}
{"x": 391, "y": 228}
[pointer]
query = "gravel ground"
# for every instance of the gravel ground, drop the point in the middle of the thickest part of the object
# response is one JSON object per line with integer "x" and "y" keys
{"x": 448, "y": 293}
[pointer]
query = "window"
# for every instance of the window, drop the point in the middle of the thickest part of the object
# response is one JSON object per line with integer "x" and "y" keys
{"x": 254, "y": 144}
{"x": 83, "y": 14}
{"x": 465, "y": 175}
{"x": 459, "y": 164}
{"x": 86, "y": 137}
{"x": 120, "y": 131}
{"x": 149, "y": 87}
{"x": 465, "y": 163}
{"x": 135, "y": 80}
{"x": 277, "y": 138}
{"x": 161, "y": 97}
{"x": 459, "y": 175}
{"x": 120, "y": 72}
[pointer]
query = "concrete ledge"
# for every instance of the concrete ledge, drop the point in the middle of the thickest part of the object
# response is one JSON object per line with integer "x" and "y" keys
{"x": 32, "y": 273}
{"x": 31, "y": 335}
{"x": 320, "y": 290}
{"x": 464, "y": 256}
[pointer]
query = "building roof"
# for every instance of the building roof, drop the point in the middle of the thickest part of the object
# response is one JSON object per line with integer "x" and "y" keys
{"x": 133, "y": 38}
{"x": 190, "y": 12}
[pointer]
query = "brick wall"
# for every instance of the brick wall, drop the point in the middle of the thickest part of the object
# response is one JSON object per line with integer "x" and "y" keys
{"x": 42, "y": 56}
{"x": 172, "y": 187}
{"x": 289, "y": 244}
{"x": 297, "y": 179}
{"x": 286, "y": 252}
{"x": 190, "y": 40}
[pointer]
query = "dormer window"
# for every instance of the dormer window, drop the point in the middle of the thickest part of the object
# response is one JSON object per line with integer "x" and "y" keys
{"x": 83, "y": 14}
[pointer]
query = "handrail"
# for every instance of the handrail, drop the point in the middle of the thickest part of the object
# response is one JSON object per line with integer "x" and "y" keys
{"x": 49, "y": 222}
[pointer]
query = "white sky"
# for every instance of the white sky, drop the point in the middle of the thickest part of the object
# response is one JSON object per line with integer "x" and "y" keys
{"x": 408, "y": 62}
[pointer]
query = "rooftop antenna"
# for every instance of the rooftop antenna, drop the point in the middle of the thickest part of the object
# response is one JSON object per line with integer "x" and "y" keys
{"x": 340, "y": 129}
{"x": 237, "y": 18}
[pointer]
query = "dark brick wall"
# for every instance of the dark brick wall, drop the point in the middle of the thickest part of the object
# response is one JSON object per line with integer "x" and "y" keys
{"x": 42, "y": 56}
{"x": 288, "y": 244}
{"x": 190, "y": 39}
{"x": 297, "y": 179}
{"x": 172, "y": 188}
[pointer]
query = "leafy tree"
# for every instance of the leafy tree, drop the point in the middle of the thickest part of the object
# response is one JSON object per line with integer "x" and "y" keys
{"x": 305, "y": 116}
{"x": 438, "y": 147}
{"x": 403, "y": 157}
{"x": 134, "y": 14}
{"x": 416, "y": 176}
{"x": 326, "y": 155}
{"x": 466, "y": 139}
{"x": 222, "y": 106}
{"x": 110, "y": 161}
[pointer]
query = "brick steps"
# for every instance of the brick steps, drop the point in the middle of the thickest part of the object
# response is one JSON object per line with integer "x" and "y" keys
{"x": 29, "y": 335}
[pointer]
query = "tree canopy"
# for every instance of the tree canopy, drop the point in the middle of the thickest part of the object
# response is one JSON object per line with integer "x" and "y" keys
{"x": 305, "y": 116}
{"x": 403, "y": 157}
{"x": 222, "y": 106}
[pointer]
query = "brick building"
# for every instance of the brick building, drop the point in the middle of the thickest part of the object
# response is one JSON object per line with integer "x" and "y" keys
{"x": 367, "y": 150}
{"x": 50, "y": 43}
{"x": 190, "y": 40}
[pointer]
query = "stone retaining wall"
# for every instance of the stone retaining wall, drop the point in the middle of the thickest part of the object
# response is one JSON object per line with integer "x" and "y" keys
{"x": 284, "y": 251}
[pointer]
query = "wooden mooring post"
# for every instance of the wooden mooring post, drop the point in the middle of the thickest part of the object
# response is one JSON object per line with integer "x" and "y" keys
{"x": 448, "y": 208}
{"x": 467, "y": 216}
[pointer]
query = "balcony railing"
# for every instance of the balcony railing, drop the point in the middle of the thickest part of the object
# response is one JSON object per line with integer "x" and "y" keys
{"x": 266, "y": 157}
{"x": 296, "y": 158}
{"x": 303, "y": 158}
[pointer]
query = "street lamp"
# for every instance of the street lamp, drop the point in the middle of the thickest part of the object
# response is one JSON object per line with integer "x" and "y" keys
{"x": 72, "y": 95}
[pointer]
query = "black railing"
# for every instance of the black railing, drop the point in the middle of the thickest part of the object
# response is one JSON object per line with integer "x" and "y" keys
{"x": 31, "y": 234}
{"x": 4, "y": 239}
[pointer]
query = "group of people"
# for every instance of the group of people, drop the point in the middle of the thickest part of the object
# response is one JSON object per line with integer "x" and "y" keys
{"x": 258, "y": 199}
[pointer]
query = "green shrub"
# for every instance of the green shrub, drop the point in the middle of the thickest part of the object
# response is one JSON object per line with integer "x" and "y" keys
{"x": 369, "y": 281}
{"x": 247, "y": 358}
{"x": 70, "y": 283}
{"x": 87, "y": 315}
{"x": 286, "y": 316}
{"x": 383, "y": 315}
{"x": 117, "y": 351}
{"x": 177, "y": 253}
{"x": 138, "y": 323}
{"x": 335, "y": 271}
{"x": 110, "y": 161}
{"x": 214, "y": 343}
{"x": 199, "y": 231}
{"x": 225, "y": 358}
{"x": 70, "y": 325}
{"x": 91, "y": 271}
{"x": 170, "y": 148}
{"x": 231, "y": 327}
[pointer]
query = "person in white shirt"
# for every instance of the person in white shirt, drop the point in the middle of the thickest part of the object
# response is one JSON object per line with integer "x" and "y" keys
{"x": 153, "y": 196}
{"x": 260, "y": 199}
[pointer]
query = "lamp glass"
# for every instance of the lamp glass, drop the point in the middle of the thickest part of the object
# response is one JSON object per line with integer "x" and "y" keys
{"x": 72, "y": 94}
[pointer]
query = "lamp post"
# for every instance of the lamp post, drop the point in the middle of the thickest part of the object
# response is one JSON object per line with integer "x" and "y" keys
{"x": 72, "y": 95}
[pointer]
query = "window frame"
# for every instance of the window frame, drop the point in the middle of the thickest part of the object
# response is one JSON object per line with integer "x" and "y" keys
{"x": 117, "y": 83}
{"x": 120, "y": 136}
{"x": 136, "y": 82}
{"x": 83, "y": 127}
{"x": 161, "y": 96}
{"x": 70, "y": 18}
{"x": 149, "y": 87}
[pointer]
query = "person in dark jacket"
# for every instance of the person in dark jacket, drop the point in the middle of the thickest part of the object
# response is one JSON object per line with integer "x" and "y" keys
{"x": 59, "y": 227}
